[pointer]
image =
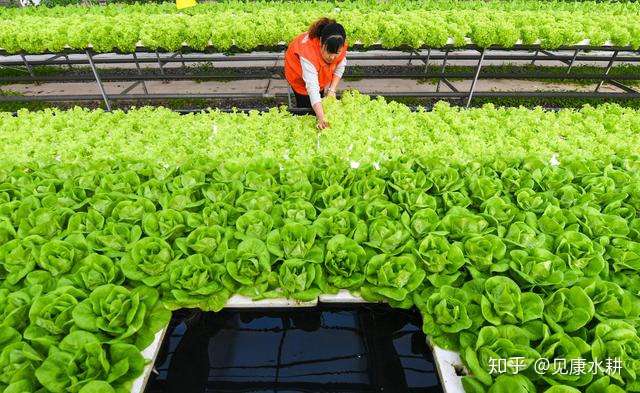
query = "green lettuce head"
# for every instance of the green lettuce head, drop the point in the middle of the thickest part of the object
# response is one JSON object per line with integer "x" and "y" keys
{"x": 117, "y": 314}
{"x": 390, "y": 236}
{"x": 253, "y": 224}
{"x": 500, "y": 342}
{"x": 563, "y": 347}
{"x": 624, "y": 255}
{"x": 617, "y": 339}
{"x": 58, "y": 257}
{"x": 523, "y": 235}
{"x": 132, "y": 212}
{"x": 445, "y": 313}
{"x": 423, "y": 222}
{"x": 378, "y": 208}
{"x": 93, "y": 271}
{"x": 580, "y": 253}
{"x": 15, "y": 305}
{"x": 218, "y": 213}
{"x": 211, "y": 241}
{"x": 50, "y": 316}
{"x": 568, "y": 309}
{"x": 18, "y": 258}
{"x": 294, "y": 210}
{"x": 196, "y": 282}
{"x": 81, "y": 359}
{"x": 484, "y": 187}
{"x": 499, "y": 212}
{"x": 537, "y": 267}
{"x": 530, "y": 201}
{"x": 410, "y": 190}
{"x": 344, "y": 263}
{"x": 300, "y": 280}
{"x": 147, "y": 261}
{"x": 249, "y": 265}
{"x": 294, "y": 241}
{"x": 441, "y": 260}
{"x": 460, "y": 223}
{"x": 555, "y": 220}
{"x": 610, "y": 300}
{"x": 114, "y": 239}
{"x": 486, "y": 254}
{"x": 393, "y": 279}
{"x": 332, "y": 222}
{"x": 504, "y": 303}
{"x": 45, "y": 222}
{"x": 166, "y": 224}
{"x": 18, "y": 363}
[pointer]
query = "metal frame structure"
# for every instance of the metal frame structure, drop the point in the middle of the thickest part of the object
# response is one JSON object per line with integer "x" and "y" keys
{"x": 568, "y": 56}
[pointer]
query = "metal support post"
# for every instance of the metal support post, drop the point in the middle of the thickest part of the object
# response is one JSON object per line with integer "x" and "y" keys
{"x": 160, "y": 63}
{"x": 623, "y": 86}
{"x": 426, "y": 62}
{"x": 144, "y": 83}
{"x": 289, "y": 96}
{"x": 535, "y": 57}
{"x": 68, "y": 61}
{"x": 449, "y": 85}
{"x": 98, "y": 81}
{"x": 131, "y": 86}
{"x": 551, "y": 56}
{"x": 410, "y": 57}
{"x": 266, "y": 90}
{"x": 54, "y": 57}
{"x": 475, "y": 78}
{"x": 444, "y": 64}
{"x": 606, "y": 72}
{"x": 573, "y": 59}
{"x": 182, "y": 59}
{"x": 26, "y": 64}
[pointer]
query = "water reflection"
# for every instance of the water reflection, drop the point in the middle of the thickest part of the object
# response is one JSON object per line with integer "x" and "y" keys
{"x": 323, "y": 349}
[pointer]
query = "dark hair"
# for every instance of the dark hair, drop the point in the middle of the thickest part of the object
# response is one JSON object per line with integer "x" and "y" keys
{"x": 332, "y": 35}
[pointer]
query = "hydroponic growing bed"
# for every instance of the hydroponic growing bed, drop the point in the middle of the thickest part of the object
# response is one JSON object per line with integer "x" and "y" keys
{"x": 515, "y": 233}
{"x": 244, "y": 26}
{"x": 356, "y": 348}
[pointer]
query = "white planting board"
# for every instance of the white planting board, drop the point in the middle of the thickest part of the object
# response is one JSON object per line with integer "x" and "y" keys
{"x": 343, "y": 296}
{"x": 446, "y": 363}
{"x": 149, "y": 353}
{"x": 238, "y": 301}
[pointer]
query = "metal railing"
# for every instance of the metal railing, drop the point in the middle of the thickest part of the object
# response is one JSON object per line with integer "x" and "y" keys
{"x": 165, "y": 69}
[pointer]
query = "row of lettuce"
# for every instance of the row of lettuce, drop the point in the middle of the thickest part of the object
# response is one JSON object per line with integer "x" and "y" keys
{"x": 515, "y": 233}
{"x": 246, "y": 26}
{"x": 520, "y": 259}
{"x": 363, "y": 130}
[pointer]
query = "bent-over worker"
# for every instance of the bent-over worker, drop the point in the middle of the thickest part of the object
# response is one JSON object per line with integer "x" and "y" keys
{"x": 314, "y": 64}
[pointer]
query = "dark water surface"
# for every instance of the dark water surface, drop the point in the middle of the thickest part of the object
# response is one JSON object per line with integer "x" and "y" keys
{"x": 329, "y": 348}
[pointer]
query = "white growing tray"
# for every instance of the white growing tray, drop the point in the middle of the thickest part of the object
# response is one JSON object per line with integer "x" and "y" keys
{"x": 150, "y": 353}
{"x": 448, "y": 363}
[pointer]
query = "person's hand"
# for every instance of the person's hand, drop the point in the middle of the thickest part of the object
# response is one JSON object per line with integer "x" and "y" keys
{"x": 322, "y": 124}
{"x": 330, "y": 93}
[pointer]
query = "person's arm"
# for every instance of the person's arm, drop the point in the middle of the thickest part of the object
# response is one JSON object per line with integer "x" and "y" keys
{"x": 337, "y": 76}
{"x": 310, "y": 77}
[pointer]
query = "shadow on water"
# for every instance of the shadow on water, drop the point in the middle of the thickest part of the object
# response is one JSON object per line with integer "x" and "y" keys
{"x": 329, "y": 348}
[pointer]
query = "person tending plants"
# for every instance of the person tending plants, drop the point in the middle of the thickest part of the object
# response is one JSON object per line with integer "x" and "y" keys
{"x": 314, "y": 64}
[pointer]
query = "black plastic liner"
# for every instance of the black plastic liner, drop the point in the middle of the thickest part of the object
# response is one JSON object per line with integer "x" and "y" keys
{"x": 329, "y": 348}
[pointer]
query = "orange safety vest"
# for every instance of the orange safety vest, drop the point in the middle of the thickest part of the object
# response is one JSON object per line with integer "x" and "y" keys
{"x": 309, "y": 48}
